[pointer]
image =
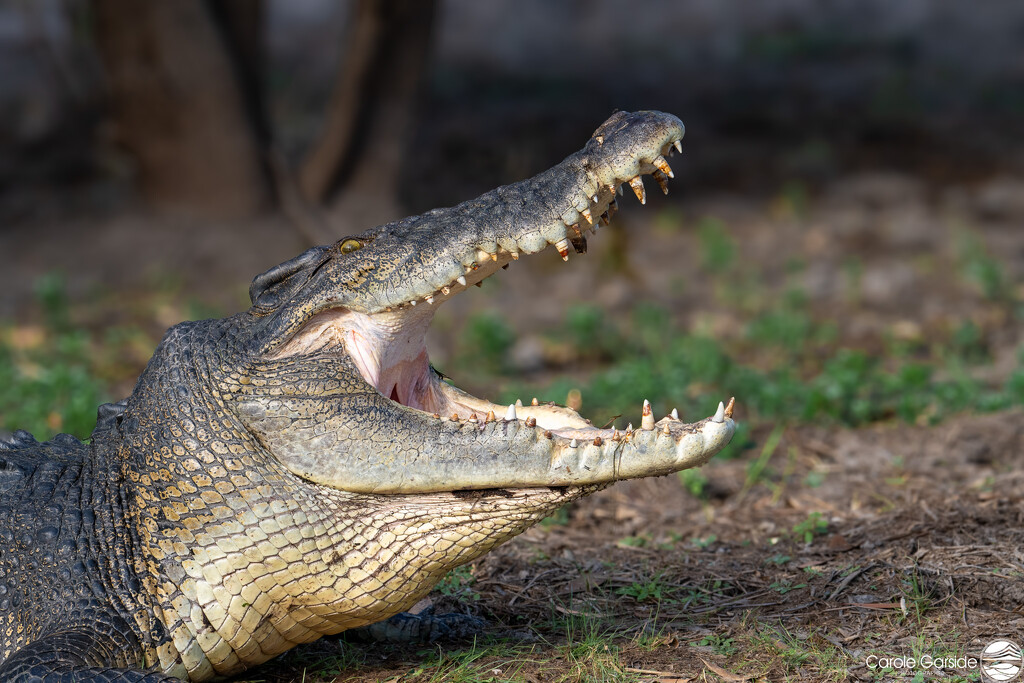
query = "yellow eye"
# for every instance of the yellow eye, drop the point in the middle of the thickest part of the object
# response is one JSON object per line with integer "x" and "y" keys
{"x": 350, "y": 245}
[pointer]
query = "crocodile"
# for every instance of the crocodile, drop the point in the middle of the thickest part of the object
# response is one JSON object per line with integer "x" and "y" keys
{"x": 300, "y": 468}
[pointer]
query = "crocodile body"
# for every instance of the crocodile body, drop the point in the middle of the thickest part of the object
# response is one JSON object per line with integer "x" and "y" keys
{"x": 299, "y": 469}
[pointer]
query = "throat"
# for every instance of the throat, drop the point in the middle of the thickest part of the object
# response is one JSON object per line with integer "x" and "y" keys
{"x": 390, "y": 353}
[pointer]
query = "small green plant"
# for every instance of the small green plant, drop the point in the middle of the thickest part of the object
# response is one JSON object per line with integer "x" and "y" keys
{"x": 757, "y": 468}
{"x": 783, "y": 587}
{"x": 718, "y": 251}
{"x": 651, "y": 590}
{"x": 703, "y": 542}
{"x": 641, "y": 541}
{"x": 488, "y": 340}
{"x": 981, "y": 269}
{"x": 559, "y": 518}
{"x": 814, "y": 479}
{"x": 815, "y": 525}
{"x": 917, "y": 597}
{"x": 694, "y": 481}
{"x": 718, "y": 643}
{"x": 458, "y": 583}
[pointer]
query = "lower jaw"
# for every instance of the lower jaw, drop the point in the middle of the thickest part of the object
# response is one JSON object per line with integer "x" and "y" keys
{"x": 430, "y": 394}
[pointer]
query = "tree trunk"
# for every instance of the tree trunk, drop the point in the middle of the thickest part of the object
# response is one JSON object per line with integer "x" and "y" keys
{"x": 181, "y": 103}
{"x": 371, "y": 111}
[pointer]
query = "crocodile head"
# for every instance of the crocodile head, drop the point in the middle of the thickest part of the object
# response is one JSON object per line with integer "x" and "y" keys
{"x": 302, "y": 469}
{"x": 357, "y": 405}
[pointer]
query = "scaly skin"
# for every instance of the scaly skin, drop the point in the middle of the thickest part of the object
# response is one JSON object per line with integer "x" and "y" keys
{"x": 299, "y": 469}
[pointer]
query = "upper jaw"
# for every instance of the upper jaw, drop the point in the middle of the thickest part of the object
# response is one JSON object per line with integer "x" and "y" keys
{"x": 425, "y": 259}
{"x": 389, "y": 291}
{"x": 407, "y": 268}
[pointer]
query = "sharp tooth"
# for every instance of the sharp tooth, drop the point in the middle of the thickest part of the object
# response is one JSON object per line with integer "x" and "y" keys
{"x": 534, "y": 402}
{"x": 615, "y": 435}
{"x": 598, "y": 441}
{"x": 629, "y": 427}
{"x": 678, "y": 145}
{"x": 562, "y": 246}
{"x": 637, "y": 184}
{"x": 531, "y": 421}
{"x": 605, "y": 218}
{"x": 620, "y": 190}
{"x": 413, "y": 302}
{"x": 595, "y": 199}
{"x": 445, "y": 290}
{"x": 586, "y": 215}
{"x": 490, "y": 416}
{"x": 472, "y": 418}
{"x": 647, "y": 421}
{"x": 510, "y": 414}
{"x": 514, "y": 255}
{"x": 674, "y": 414}
{"x": 720, "y": 413}
{"x": 573, "y": 444}
{"x": 455, "y": 416}
{"x": 730, "y": 406}
{"x": 662, "y": 181}
{"x": 461, "y": 280}
{"x": 663, "y": 166}
{"x": 519, "y": 403}
{"x": 437, "y": 416}
{"x": 666, "y": 431}
{"x": 494, "y": 257}
{"x": 429, "y": 299}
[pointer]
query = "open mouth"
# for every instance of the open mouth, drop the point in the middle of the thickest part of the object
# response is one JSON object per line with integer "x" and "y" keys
{"x": 388, "y": 347}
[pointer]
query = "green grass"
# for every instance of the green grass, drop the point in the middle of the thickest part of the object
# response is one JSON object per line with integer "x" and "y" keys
{"x": 48, "y": 382}
{"x": 803, "y": 374}
{"x": 591, "y": 652}
{"x": 481, "y": 662}
{"x": 814, "y": 525}
{"x": 719, "y": 644}
{"x": 49, "y": 388}
{"x": 649, "y": 590}
{"x": 459, "y": 583}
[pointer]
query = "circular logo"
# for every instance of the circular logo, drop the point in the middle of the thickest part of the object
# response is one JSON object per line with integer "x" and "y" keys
{"x": 1002, "y": 660}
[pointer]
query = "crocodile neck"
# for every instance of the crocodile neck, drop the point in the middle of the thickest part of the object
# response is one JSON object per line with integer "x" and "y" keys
{"x": 244, "y": 559}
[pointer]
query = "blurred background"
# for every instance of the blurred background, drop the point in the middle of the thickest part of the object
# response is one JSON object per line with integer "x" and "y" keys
{"x": 843, "y": 239}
